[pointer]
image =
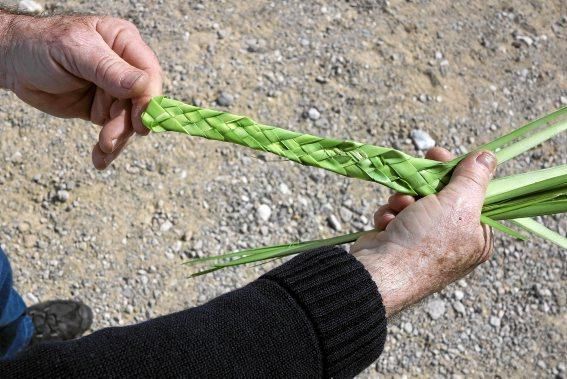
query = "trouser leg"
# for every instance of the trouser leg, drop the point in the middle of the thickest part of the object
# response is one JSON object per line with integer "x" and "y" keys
{"x": 16, "y": 328}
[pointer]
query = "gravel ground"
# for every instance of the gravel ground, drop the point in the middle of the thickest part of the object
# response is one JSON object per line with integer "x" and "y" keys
{"x": 461, "y": 71}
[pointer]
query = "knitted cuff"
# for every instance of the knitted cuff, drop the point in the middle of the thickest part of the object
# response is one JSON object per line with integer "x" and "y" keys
{"x": 343, "y": 303}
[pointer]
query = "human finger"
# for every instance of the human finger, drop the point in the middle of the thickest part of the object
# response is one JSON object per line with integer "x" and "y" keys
{"x": 398, "y": 202}
{"x": 102, "y": 160}
{"x": 439, "y": 154}
{"x": 383, "y": 216}
{"x": 126, "y": 41}
{"x": 100, "y": 108}
{"x": 470, "y": 179}
{"x": 118, "y": 128}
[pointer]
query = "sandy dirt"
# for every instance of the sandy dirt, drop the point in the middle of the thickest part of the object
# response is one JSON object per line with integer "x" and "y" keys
{"x": 462, "y": 71}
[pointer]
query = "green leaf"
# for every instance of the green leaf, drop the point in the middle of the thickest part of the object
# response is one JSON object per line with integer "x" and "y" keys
{"x": 507, "y": 138}
{"x": 513, "y": 204}
{"x": 236, "y": 254}
{"x": 503, "y": 228}
{"x": 271, "y": 252}
{"x": 540, "y": 209}
{"x": 538, "y": 229}
{"x": 518, "y": 196}
{"x": 527, "y": 143}
{"x": 513, "y": 186}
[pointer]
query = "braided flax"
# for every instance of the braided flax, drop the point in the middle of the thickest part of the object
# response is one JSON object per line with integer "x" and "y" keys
{"x": 392, "y": 168}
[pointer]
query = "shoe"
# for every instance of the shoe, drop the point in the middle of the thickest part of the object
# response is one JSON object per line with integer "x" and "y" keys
{"x": 59, "y": 320}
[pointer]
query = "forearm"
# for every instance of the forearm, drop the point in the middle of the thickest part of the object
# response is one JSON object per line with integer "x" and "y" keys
{"x": 7, "y": 19}
{"x": 398, "y": 278}
{"x": 404, "y": 276}
{"x": 319, "y": 315}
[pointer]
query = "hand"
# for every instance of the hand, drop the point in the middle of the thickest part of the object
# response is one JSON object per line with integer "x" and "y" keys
{"x": 429, "y": 243}
{"x": 94, "y": 68}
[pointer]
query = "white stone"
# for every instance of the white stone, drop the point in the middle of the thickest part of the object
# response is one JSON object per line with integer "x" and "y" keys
{"x": 459, "y": 307}
{"x": 435, "y": 308}
{"x": 459, "y": 294}
{"x": 334, "y": 223}
{"x": 264, "y": 212}
{"x": 62, "y": 196}
{"x": 525, "y": 39}
{"x": 31, "y": 298}
{"x": 177, "y": 246}
{"x": 346, "y": 214}
{"x": 495, "y": 321}
{"x": 16, "y": 157}
{"x": 422, "y": 140}
{"x": 225, "y": 99}
{"x": 313, "y": 114}
{"x": 284, "y": 189}
{"x": 30, "y": 6}
{"x": 166, "y": 226}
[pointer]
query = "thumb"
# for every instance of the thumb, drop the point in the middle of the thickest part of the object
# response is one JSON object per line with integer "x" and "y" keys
{"x": 470, "y": 179}
{"x": 107, "y": 70}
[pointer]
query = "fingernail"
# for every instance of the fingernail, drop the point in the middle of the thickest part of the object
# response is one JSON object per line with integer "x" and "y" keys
{"x": 128, "y": 80}
{"x": 487, "y": 159}
{"x": 114, "y": 142}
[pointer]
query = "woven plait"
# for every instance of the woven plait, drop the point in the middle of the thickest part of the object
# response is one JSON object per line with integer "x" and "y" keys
{"x": 392, "y": 168}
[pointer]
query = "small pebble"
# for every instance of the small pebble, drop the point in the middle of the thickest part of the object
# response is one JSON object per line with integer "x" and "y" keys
{"x": 422, "y": 140}
{"x": 459, "y": 295}
{"x": 435, "y": 308}
{"x": 16, "y": 157}
{"x": 334, "y": 222}
{"x": 30, "y": 6}
{"x": 264, "y": 212}
{"x": 166, "y": 226}
{"x": 459, "y": 307}
{"x": 225, "y": 99}
{"x": 62, "y": 196}
{"x": 186, "y": 237}
{"x": 346, "y": 214}
{"x": 495, "y": 321}
{"x": 284, "y": 189}
{"x": 313, "y": 114}
{"x": 31, "y": 299}
{"x": 525, "y": 39}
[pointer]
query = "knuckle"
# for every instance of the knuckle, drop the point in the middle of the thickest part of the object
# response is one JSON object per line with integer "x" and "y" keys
{"x": 71, "y": 35}
{"x": 130, "y": 25}
{"x": 127, "y": 27}
{"x": 472, "y": 179}
{"x": 104, "y": 66}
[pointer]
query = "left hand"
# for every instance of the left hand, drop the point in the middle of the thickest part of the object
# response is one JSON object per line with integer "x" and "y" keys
{"x": 421, "y": 246}
{"x": 94, "y": 68}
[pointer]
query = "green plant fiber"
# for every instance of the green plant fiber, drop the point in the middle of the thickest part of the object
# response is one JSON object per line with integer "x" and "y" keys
{"x": 517, "y": 197}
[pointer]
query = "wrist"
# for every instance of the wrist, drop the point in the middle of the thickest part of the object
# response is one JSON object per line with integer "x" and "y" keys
{"x": 6, "y": 21}
{"x": 398, "y": 276}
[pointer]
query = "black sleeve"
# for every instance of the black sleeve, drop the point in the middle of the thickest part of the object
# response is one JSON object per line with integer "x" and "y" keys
{"x": 318, "y": 315}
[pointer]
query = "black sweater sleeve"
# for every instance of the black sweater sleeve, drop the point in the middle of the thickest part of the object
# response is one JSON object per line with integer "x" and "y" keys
{"x": 318, "y": 315}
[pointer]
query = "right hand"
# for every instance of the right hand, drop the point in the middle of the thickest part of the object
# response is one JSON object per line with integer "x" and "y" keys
{"x": 429, "y": 243}
{"x": 95, "y": 68}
